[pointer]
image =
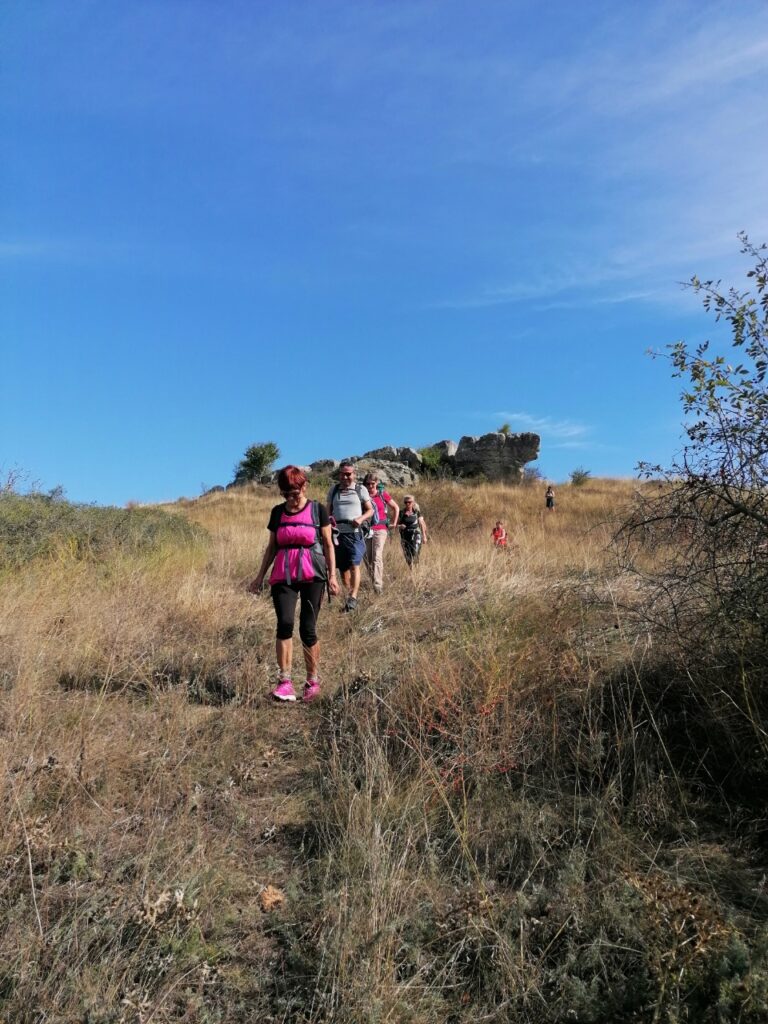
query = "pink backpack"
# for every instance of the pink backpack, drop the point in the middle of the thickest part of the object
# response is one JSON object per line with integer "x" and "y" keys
{"x": 300, "y": 557}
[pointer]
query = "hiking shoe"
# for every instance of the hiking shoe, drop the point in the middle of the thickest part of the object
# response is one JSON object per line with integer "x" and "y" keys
{"x": 351, "y": 604}
{"x": 311, "y": 690}
{"x": 284, "y": 690}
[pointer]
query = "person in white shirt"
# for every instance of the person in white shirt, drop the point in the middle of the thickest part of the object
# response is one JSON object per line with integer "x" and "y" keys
{"x": 350, "y": 507}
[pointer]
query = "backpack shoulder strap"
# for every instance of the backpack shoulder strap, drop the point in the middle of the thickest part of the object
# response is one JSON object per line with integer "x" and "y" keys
{"x": 316, "y": 520}
{"x": 376, "y": 518}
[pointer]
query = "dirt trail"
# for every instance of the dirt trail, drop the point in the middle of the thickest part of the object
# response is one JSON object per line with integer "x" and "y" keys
{"x": 271, "y": 831}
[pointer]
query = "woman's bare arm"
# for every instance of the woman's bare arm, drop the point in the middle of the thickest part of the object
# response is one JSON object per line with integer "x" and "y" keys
{"x": 268, "y": 558}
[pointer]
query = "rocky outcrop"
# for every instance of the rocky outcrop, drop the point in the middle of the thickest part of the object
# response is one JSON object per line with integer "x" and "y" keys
{"x": 392, "y": 474}
{"x": 411, "y": 458}
{"x": 496, "y": 456}
{"x": 388, "y": 453}
{"x": 447, "y": 449}
{"x": 328, "y": 466}
{"x": 447, "y": 452}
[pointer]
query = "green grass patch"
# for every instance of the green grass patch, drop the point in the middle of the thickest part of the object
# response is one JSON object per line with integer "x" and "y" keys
{"x": 38, "y": 526}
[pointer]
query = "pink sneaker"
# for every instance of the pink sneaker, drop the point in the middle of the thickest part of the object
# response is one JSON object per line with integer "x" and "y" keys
{"x": 311, "y": 690}
{"x": 284, "y": 690}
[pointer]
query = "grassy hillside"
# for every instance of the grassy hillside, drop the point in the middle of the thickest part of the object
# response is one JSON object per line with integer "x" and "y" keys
{"x": 514, "y": 802}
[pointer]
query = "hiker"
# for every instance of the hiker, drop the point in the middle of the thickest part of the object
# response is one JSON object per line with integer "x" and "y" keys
{"x": 301, "y": 547}
{"x": 549, "y": 498}
{"x": 377, "y": 538}
{"x": 350, "y": 507}
{"x": 413, "y": 529}
{"x": 499, "y": 535}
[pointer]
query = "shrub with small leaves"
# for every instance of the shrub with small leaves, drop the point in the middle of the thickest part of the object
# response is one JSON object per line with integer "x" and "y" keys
{"x": 580, "y": 476}
{"x": 531, "y": 476}
{"x": 258, "y": 460}
{"x": 431, "y": 460}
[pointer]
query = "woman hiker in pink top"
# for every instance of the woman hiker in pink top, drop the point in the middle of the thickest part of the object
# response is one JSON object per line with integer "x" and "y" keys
{"x": 377, "y": 538}
{"x": 304, "y": 564}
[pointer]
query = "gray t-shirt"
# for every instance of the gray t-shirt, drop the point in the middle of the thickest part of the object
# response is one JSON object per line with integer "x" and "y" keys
{"x": 346, "y": 504}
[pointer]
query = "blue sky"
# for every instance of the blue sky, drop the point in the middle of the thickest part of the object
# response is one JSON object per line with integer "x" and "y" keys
{"x": 337, "y": 225}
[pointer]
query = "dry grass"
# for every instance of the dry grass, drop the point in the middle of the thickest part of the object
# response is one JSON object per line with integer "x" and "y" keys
{"x": 483, "y": 819}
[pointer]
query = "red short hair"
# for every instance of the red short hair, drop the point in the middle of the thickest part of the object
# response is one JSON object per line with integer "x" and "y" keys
{"x": 290, "y": 476}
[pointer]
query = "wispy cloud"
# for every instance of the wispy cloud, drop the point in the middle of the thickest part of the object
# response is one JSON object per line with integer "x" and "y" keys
{"x": 558, "y": 435}
{"x": 665, "y": 133}
{"x": 30, "y": 249}
{"x": 594, "y": 286}
{"x": 74, "y": 250}
{"x": 545, "y": 425}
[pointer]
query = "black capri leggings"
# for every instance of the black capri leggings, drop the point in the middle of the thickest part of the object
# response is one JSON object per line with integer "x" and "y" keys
{"x": 284, "y": 597}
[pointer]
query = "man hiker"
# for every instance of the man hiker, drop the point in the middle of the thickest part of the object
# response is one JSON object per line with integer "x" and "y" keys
{"x": 350, "y": 506}
{"x": 377, "y": 538}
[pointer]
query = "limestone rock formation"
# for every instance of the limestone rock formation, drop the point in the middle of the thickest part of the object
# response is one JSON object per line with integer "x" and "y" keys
{"x": 411, "y": 458}
{"x": 388, "y": 453}
{"x": 447, "y": 449}
{"x": 392, "y": 474}
{"x": 496, "y": 456}
{"x": 328, "y": 466}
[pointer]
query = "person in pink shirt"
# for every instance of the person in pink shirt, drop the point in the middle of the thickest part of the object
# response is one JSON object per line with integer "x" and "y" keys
{"x": 303, "y": 560}
{"x": 377, "y": 538}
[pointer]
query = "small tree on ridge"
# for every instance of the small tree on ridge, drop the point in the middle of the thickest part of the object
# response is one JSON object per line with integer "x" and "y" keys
{"x": 257, "y": 461}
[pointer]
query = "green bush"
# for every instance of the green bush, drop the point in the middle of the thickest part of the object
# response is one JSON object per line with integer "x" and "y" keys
{"x": 40, "y": 525}
{"x": 580, "y": 476}
{"x": 432, "y": 461}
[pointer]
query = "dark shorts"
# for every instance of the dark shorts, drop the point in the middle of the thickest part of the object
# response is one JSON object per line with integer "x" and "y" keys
{"x": 350, "y": 551}
{"x": 550, "y": 502}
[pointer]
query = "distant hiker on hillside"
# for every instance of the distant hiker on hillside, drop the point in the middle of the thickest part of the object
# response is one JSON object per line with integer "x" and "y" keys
{"x": 549, "y": 498}
{"x": 413, "y": 529}
{"x": 301, "y": 547}
{"x": 499, "y": 535}
{"x": 350, "y": 507}
{"x": 377, "y": 538}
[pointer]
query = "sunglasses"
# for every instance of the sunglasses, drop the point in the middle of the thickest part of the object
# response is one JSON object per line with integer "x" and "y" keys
{"x": 290, "y": 491}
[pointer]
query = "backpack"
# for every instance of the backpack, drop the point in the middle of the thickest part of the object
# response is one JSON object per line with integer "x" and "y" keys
{"x": 365, "y": 529}
{"x": 311, "y": 557}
